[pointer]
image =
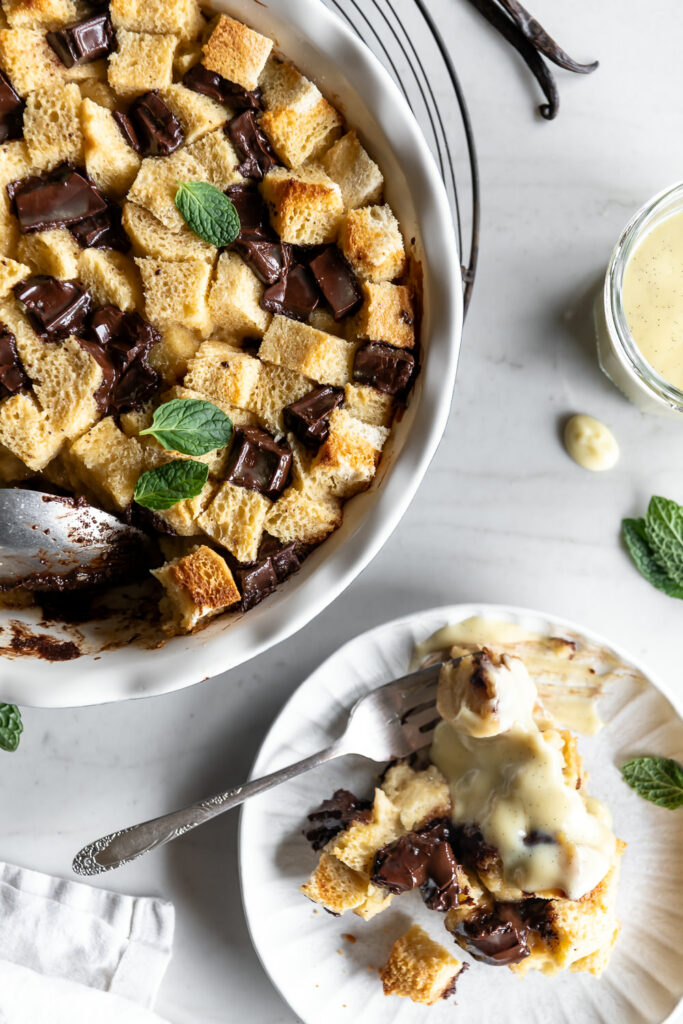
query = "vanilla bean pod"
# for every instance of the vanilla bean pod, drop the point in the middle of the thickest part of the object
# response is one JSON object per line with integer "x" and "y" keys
{"x": 540, "y": 39}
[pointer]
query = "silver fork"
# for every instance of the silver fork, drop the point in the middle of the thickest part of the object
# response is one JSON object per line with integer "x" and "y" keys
{"x": 392, "y": 721}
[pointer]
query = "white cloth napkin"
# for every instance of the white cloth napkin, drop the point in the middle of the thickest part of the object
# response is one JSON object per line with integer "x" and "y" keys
{"x": 72, "y": 954}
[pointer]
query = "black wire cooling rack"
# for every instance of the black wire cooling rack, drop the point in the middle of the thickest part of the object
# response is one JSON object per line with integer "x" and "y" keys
{"x": 405, "y": 37}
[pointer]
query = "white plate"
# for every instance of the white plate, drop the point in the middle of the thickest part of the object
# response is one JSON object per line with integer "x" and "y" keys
{"x": 324, "y": 977}
{"x": 348, "y": 73}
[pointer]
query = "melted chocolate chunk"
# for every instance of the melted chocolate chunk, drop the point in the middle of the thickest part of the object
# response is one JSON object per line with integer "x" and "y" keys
{"x": 102, "y": 231}
{"x": 269, "y": 260}
{"x": 423, "y": 858}
{"x": 252, "y": 212}
{"x": 337, "y": 281}
{"x": 85, "y": 41}
{"x": 12, "y": 375}
{"x": 384, "y": 367}
{"x": 334, "y": 815}
{"x": 258, "y": 462}
{"x": 286, "y": 558}
{"x": 256, "y": 582}
{"x": 295, "y": 296}
{"x": 57, "y": 199}
{"x": 120, "y": 343}
{"x": 11, "y": 110}
{"x": 252, "y": 145}
{"x": 128, "y": 130}
{"x": 308, "y": 418}
{"x": 470, "y": 846}
{"x": 158, "y": 129}
{"x": 55, "y": 308}
{"x": 500, "y": 936}
{"x": 210, "y": 83}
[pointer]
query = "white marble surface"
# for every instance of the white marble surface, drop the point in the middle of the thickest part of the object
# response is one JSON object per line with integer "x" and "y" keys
{"x": 503, "y": 514}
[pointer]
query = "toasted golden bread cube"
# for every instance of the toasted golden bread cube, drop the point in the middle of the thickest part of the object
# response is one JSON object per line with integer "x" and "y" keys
{"x": 54, "y": 252}
{"x": 157, "y": 182}
{"x": 236, "y": 52}
{"x": 387, "y": 314}
{"x": 152, "y": 238}
{"x": 359, "y": 178}
{"x": 235, "y": 298}
{"x": 171, "y": 356}
{"x": 45, "y": 14}
{"x": 369, "y": 405}
{"x": 28, "y": 60}
{"x": 179, "y": 17}
{"x": 357, "y": 845}
{"x": 371, "y": 240}
{"x": 176, "y": 292}
{"x": 142, "y": 62}
{"x": 335, "y": 886}
{"x": 298, "y": 516}
{"x": 27, "y": 432}
{"x": 419, "y": 968}
{"x": 345, "y": 464}
{"x": 223, "y": 374}
{"x": 198, "y": 586}
{"x": 217, "y": 158}
{"x": 276, "y": 387}
{"x": 111, "y": 278}
{"x": 306, "y": 206}
{"x": 11, "y": 273}
{"x": 235, "y": 520}
{"x": 322, "y": 357}
{"x": 52, "y": 125}
{"x": 109, "y": 160}
{"x": 99, "y": 92}
{"x": 298, "y": 120}
{"x": 106, "y": 464}
{"x": 197, "y": 114}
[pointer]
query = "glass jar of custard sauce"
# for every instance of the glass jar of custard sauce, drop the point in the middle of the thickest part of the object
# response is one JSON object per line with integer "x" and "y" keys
{"x": 639, "y": 314}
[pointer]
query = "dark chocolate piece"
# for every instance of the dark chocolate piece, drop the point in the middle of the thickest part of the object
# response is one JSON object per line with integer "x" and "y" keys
{"x": 334, "y": 815}
{"x": 210, "y": 83}
{"x": 384, "y": 367}
{"x": 252, "y": 212}
{"x": 337, "y": 281}
{"x": 158, "y": 129}
{"x": 85, "y": 41}
{"x": 499, "y": 937}
{"x": 57, "y": 199}
{"x": 128, "y": 130}
{"x": 102, "y": 231}
{"x": 256, "y": 582}
{"x": 120, "y": 343}
{"x": 252, "y": 145}
{"x": 270, "y": 261}
{"x": 11, "y": 110}
{"x": 258, "y": 462}
{"x": 12, "y": 375}
{"x": 295, "y": 296}
{"x": 423, "y": 858}
{"x": 55, "y": 308}
{"x": 308, "y": 418}
{"x": 285, "y": 557}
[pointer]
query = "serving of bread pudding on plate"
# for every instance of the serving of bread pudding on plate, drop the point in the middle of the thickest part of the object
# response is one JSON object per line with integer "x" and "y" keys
{"x": 189, "y": 229}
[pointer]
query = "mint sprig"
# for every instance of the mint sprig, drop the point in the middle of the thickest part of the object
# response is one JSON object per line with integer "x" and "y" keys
{"x": 208, "y": 212}
{"x": 191, "y": 426}
{"x": 164, "y": 486}
{"x": 11, "y": 727}
{"x": 657, "y": 779}
{"x": 655, "y": 544}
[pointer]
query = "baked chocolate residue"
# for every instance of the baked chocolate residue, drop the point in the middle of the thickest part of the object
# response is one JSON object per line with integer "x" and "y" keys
{"x": 40, "y": 645}
{"x": 334, "y": 815}
{"x": 423, "y": 858}
{"x": 500, "y": 936}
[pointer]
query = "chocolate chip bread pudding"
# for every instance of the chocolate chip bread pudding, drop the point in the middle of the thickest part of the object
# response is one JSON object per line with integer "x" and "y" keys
{"x": 190, "y": 231}
{"x": 492, "y": 825}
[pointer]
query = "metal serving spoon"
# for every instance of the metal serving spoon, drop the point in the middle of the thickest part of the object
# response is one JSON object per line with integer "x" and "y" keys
{"x": 52, "y": 543}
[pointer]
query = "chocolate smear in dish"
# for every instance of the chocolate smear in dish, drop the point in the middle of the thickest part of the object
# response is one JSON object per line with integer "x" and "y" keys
{"x": 11, "y": 110}
{"x": 335, "y": 815}
{"x": 59, "y": 198}
{"x": 337, "y": 281}
{"x": 55, "y": 308}
{"x": 258, "y": 462}
{"x": 252, "y": 145}
{"x": 13, "y": 377}
{"x": 423, "y": 858}
{"x": 308, "y": 418}
{"x": 84, "y": 41}
{"x": 385, "y": 367}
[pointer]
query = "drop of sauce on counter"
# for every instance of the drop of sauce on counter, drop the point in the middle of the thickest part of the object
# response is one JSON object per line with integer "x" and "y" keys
{"x": 591, "y": 444}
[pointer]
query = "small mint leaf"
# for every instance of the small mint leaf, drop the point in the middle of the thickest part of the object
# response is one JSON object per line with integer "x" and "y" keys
{"x": 191, "y": 426}
{"x": 638, "y": 546}
{"x": 657, "y": 779}
{"x": 165, "y": 486}
{"x": 11, "y": 727}
{"x": 664, "y": 529}
{"x": 208, "y": 212}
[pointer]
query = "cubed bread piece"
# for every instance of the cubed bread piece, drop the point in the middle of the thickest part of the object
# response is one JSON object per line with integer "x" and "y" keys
{"x": 371, "y": 240}
{"x": 357, "y": 845}
{"x": 322, "y": 357}
{"x": 276, "y": 387}
{"x": 53, "y": 252}
{"x": 106, "y": 464}
{"x": 27, "y": 432}
{"x": 223, "y": 374}
{"x": 31, "y": 348}
{"x": 109, "y": 160}
{"x": 305, "y": 205}
{"x": 135, "y": 420}
{"x": 387, "y": 314}
{"x": 198, "y": 114}
{"x": 236, "y": 52}
{"x": 179, "y": 17}
{"x": 15, "y": 162}
{"x": 111, "y": 278}
{"x": 345, "y": 464}
{"x": 12, "y": 469}
{"x": 99, "y": 92}
{"x": 188, "y": 53}
{"x": 142, "y": 62}
{"x": 217, "y": 158}
{"x": 376, "y": 901}
{"x": 152, "y": 238}
{"x": 420, "y": 969}
{"x": 369, "y": 405}
{"x": 171, "y": 356}
{"x": 52, "y": 125}
{"x": 46, "y": 14}
{"x": 235, "y": 298}
{"x": 198, "y": 586}
{"x": 11, "y": 273}
{"x": 28, "y": 60}
{"x": 176, "y": 292}
{"x": 298, "y": 120}
{"x": 235, "y": 520}
{"x": 335, "y": 886}
{"x": 358, "y": 177}
{"x": 182, "y": 518}
{"x": 298, "y": 516}
{"x": 157, "y": 182}
{"x": 419, "y": 796}
{"x": 64, "y": 383}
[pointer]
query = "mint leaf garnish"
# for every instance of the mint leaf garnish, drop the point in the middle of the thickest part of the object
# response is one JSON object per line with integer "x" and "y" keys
{"x": 11, "y": 727}
{"x": 664, "y": 529}
{"x": 638, "y": 545}
{"x": 191, "y": 426}
{"x": 165, "y": 486}
{"x": 209, "y": 212}
{"x": 657, "y": 779}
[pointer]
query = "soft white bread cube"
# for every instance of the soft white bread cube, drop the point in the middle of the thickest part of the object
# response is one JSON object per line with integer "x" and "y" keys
{"x": 223, "y": 374}
{"x": 298, "y": 120}
{"x": 53, "y": 252}
{"x": 9, "y": 232}
{"x": 52, "y": 125}
{"x": 27, "y": 432}
{"x": 198, "y": 114}
{"x": 319, "y": 356}
{"x": 45, "y": 14}
{"x": 28, "y": 60}
{"x": 371, "y": 240}
{"x": 176, "y": 292}
{"x": 345, "y": 464}
{"x": 32, "y": 349}
{"x": 419, "y": 796}
{"x": 419, "y": 968}
{"x": 298, "y": 516}
{"x": 15, "y": 162}
{"x": 99, "y": 92}
{"x": 171, "y": 356}
{"x": 109, "y": 160}
{"x": 105, "y": 464}
{"x": 152, "y": 238}
{"x": 188, "y": 53}
{"x": 157, "y": 182}
{"x": 369, "y": 405}
{"x": 178, "y": 17}
{"x": 358, "y": 176}
{"x": 235, "y": 297}
{"x": 235, "y": 519}
{"x": 143, "y": 61}
{"x": 11, "y": 273}
{"x": 197, "y": 587}
{"x": 387, "y": 314}
{"x": 276, "y": 387}
{"x": 65, "y": 379}
{"x": 236, "y": 52}
{"x": 217, "y": 158}
{"x": 305, "y": 205}
{"x": 335, "y": 886}
{"x": 111, "y": 278}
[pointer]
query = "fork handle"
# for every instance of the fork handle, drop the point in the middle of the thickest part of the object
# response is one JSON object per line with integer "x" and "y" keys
{"x": 120, "y": 847}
